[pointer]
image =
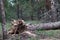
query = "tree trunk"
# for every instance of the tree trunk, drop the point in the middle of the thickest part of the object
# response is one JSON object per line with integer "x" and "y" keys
{"x": 39, "y": 12}
{"x": 21, "y": 14}
{"x": 32, "y": 8}
{"x": 31, "y": 15}
{"x": 48, "y": 4}
{"x": 4, "y": 31}
{"x": 45, "y": 26}
{"x": 53, "y": 11}
{"x": 17, "y": 9}
{"x": 52, "y": 15}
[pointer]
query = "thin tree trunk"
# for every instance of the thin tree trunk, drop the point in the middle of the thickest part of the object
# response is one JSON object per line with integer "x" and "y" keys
{"x": 17, "y": 9}
{"x": 21, "y": 15}
{"x": 32, "y": 7}
{"x": 39, "y": 12}
{"x": 4, "y": 31}
{"x": 45, "y": 26}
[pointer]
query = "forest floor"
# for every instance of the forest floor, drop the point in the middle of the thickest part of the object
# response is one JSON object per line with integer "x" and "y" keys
{"x": 42, "y": 34}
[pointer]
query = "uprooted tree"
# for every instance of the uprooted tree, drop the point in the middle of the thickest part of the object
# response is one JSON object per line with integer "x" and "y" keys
{"x": 20, "y": 27}
{"x": 45, "y": 26}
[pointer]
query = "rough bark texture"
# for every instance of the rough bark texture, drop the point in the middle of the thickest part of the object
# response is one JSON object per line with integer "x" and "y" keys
{"x": 51, "y": 16}
{"x": 48, "y": 4}
{"x": 53, "y": 11}
{"x": 3, "y": 20}
{"x": 45, "y": 26}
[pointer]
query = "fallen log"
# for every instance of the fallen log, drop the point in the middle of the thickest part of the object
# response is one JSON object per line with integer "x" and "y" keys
{"x": 26, "y": 31}
{"x": 44, "y": 26}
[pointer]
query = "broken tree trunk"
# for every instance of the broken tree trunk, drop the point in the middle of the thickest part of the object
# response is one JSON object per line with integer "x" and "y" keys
{"x": 42, "y": 26}
{"x": 45, "y": 26}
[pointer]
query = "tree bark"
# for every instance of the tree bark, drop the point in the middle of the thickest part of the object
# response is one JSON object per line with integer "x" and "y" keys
{"x": 4, "y": 31}
{"x": 53, "y": 11}
{"x": 45, "y": 26}
{"x": 17, "y": 9}
{"x": 48, "y": 4}
{"x": 52, "y": 15}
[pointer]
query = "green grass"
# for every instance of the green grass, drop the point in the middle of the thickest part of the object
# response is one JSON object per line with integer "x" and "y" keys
{"x": 33, "y": 22}
{"x": 49, "y": 33}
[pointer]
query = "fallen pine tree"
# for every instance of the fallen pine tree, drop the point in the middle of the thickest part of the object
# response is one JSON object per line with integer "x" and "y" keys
{"x": 44, "y": 26}
{"x": 20, "y": 27}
